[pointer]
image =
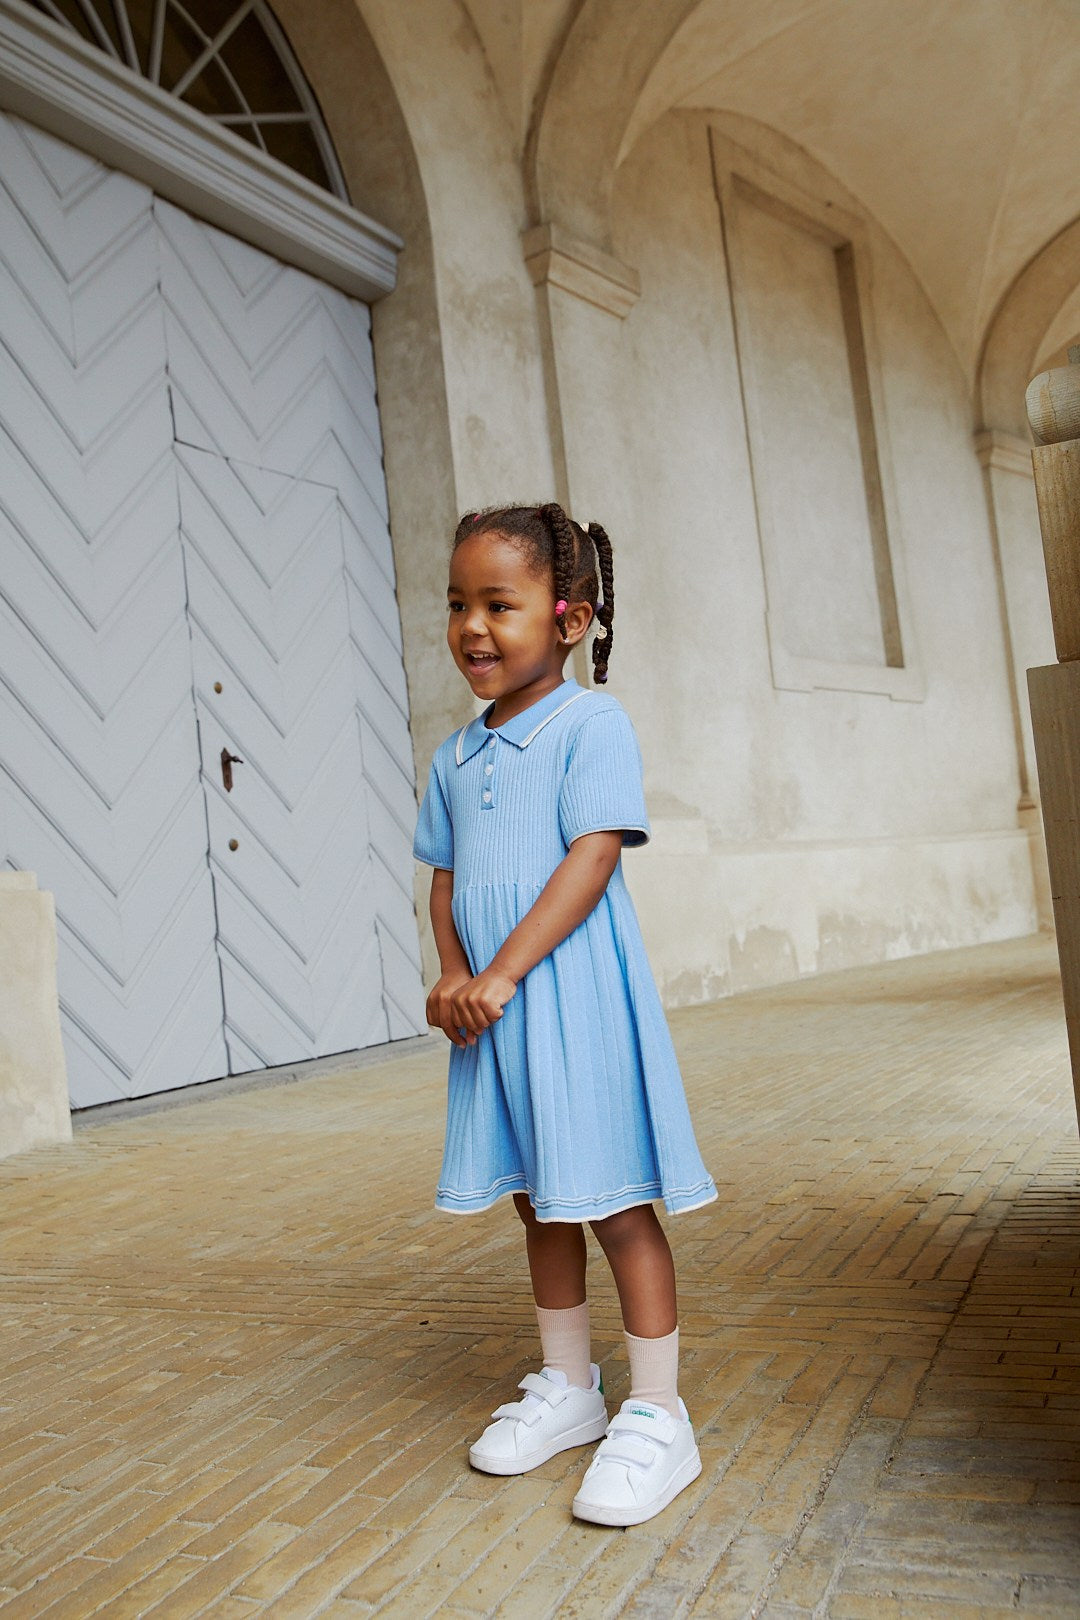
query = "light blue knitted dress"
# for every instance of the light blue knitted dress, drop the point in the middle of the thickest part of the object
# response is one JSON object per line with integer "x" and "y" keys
{"x": 574, "y": 1096}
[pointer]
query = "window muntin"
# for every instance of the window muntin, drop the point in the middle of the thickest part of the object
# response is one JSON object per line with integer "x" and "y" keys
{"x": 229, "y": 61}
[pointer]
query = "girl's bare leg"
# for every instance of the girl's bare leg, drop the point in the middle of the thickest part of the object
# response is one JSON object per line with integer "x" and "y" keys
{"x": 556, "y": 1251}
{"x": 637, "y": 1252}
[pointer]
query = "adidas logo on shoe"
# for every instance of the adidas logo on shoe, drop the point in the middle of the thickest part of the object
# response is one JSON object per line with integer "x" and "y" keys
{"x": 647, "y": 1458}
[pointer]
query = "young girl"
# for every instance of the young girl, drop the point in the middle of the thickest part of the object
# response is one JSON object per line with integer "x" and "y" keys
{"x": 564, "y": 1089}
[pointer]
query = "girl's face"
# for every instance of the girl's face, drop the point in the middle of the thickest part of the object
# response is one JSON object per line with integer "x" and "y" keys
{"x": 502, "y": 629}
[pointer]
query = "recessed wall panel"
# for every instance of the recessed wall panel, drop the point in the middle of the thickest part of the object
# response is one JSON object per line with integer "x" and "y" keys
{"x": 823, "y": 592}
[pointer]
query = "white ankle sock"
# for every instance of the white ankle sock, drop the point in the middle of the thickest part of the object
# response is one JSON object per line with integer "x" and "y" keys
{"x": 654, "y": 1370}
{"x": 564, "y": 1336}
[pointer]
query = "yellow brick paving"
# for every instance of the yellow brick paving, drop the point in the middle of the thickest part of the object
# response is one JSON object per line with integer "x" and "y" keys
{"x": 242, "y": 1356}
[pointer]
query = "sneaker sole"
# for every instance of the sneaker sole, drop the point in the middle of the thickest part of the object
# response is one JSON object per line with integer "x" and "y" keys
{"x": 584, "y": 1434}
{"x": 599, "y": 1513}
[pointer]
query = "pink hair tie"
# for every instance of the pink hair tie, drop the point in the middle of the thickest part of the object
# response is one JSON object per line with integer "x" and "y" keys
{"x": 560, "y": 607}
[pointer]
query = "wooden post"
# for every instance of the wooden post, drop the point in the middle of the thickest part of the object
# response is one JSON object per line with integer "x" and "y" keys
{"x": 1053, "y": 402}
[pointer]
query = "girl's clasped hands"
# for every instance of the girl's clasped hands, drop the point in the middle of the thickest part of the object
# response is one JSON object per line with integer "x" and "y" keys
{"x": 463, "y": 1005}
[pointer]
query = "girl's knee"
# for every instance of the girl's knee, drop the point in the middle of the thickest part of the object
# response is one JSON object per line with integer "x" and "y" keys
{"x": 628, "y": 1227}
{"x": 525, "y": 1210}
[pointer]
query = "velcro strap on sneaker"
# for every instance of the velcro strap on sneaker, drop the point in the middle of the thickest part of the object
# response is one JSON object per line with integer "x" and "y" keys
{"x": 661, "y": 1430}
{"x": 537, "y": 1384}
{"x": 521, "y": 1412}
{"x": 629, "y": 1450}
{"x": 530, "y": 1412}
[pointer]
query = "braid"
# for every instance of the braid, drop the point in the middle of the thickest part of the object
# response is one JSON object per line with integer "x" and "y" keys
{"x": 567, "y": 553}
{"x": 605, "y": 610}
{"x": 565, "y": 539}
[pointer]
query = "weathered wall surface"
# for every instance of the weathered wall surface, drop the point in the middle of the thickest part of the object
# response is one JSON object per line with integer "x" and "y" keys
{"x": 33, "y": 1076}
{"x": 808, "y": 829}
{"x": 795, "y": 829}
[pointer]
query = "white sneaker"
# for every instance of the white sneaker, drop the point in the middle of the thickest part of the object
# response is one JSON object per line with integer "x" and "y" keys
{"x": 646, "y": 1460}
{"x": 552, "y": 1416}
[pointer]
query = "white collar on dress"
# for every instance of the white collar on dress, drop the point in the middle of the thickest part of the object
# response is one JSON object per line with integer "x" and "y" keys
{"x": 522, "y": 728}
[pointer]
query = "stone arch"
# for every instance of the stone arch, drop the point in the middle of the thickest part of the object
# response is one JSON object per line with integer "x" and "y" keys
{"x": 1011, "y": 350}
{"x": 1061, "y": 335}
{"x": 1015, "y": 337}
{"x": 586, "y": 109}
{"x": 831, "y": 80}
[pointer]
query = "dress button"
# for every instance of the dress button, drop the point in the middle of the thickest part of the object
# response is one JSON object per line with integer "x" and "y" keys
{"x": 487, "y": 798}
{"x": 488, "y": 769}
{"x": 491, "y": 742}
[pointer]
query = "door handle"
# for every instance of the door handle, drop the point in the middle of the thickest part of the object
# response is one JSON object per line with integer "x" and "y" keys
{"x": 227, "y": 762}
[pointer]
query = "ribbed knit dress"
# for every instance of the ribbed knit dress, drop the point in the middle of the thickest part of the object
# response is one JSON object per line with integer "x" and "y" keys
{"x": 574, "y": 1096}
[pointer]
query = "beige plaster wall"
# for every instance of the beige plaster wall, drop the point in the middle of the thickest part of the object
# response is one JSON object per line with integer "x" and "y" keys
{"x": 958, "y": 163}
{"x": 33, "y": 1076}
{"x": 720, "y": 920}
{"x": 428, "y": 148}
{"x": 795, "y": 830}
{"x": 466, "y": 152}
{"x": 757, "y": 762}
{"x": 807, "y": 830}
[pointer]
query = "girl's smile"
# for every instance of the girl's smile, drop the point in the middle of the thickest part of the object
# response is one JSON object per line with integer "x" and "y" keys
{"x": 502, "y": 630}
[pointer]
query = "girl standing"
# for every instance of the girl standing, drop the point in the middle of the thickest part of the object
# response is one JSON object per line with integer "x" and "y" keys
{"x": 564, "y": 1090}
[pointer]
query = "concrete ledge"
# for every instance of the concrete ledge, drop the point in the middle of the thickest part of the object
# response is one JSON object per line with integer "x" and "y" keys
{"x": 718, "y": 921}
{"x": 33, "y": 1075}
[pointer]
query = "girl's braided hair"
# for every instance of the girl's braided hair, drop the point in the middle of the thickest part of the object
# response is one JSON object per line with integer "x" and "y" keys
{"x": 571, "y": 554}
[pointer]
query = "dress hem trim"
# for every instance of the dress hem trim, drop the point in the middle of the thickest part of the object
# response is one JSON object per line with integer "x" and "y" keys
{"x": 479, "y": 1202}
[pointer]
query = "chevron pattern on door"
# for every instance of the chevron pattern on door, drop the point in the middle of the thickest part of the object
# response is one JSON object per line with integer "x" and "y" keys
{"x": 103, "y": 606}
{"x": 295, "y": 900}
{"x": 99, "y": 765}
{"x": 271, "y": 368}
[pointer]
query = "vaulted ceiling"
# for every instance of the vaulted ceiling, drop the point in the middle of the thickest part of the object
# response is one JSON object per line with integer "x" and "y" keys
{"x": 956, "y": 124}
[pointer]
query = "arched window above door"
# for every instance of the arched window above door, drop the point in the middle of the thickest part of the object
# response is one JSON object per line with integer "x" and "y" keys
{"x": 229, "y": 61}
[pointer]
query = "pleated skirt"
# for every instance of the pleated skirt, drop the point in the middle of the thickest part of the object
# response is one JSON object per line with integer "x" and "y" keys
{"x": 574, "y": 1096}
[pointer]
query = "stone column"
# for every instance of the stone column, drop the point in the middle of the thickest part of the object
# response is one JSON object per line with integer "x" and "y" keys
{"x": 33, "y": 1077}
{"x": 1053, "y": 403}
{"x": 1005, "y": 459}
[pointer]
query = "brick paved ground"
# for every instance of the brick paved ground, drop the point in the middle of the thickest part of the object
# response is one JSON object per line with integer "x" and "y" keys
{"x": 242, "y": 1355}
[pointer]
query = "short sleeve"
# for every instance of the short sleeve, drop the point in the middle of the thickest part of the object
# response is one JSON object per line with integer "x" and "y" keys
{"x": 434, "y": 841}
{"x": 602, "y": 789}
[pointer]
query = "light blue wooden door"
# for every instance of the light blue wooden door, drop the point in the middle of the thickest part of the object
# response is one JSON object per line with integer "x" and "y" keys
{"x": 192, "y": 496}
{"x": 286, "y": 813}
{"x": 270, "y": 368}
{"x": 100, "y": 789}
